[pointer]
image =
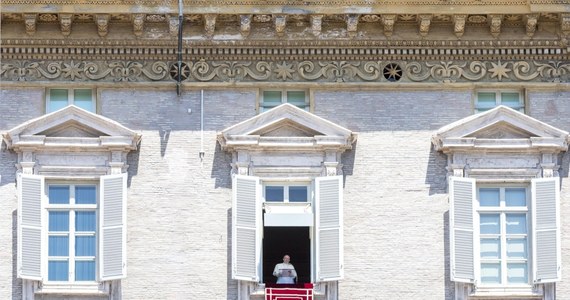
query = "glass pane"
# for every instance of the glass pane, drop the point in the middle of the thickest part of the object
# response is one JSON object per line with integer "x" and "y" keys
{"x": 85, "y": 195}
{"x": 58, "y": 194}
{"x": 85, "y": 245}
{"x": 58, "y": 270}
{"x": 271, "y": 98}
{"x": 296, "y": 98}
{"x": 490, "y": 273}
{"x": 85, "y": 221}
{"x": 58, "y": 221}
{"x": 84, "y": 99}
{"x": 517, "y": 273}
{"x": 274, "y": 193}
{"x": 490, "y": 224}
{"x": 510, "y": 100}
{"x": 515, "y": 197}
{"x": 490, "y": 248}
{"x": 298, "y": 194}
{"x": 58, "y": 245}
{"x": 57, "y": 99}
{"x": 516, "y": 224}
{"x": 516, "y": 248}
{"x": 85, "y": 271}
{"x": 486, "y": 100}
{"x": 489, "y": 197}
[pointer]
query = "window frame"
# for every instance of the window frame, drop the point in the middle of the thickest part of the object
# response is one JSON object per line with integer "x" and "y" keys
{"x": 71, "y": 97}
{"x": 498, "y": 99}
{"x": 503, "y": 210}
{"x": 71, "y": 207}
{"x": 284, "y": 98}
{"x": 286, "y": 186}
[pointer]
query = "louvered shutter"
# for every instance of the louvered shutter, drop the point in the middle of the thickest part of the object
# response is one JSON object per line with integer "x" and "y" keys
{"x": 246, "y": 222}
{"x": 461, "y": 200}
{"x": 30, "y": 191}
{"x": 112, "y": 227}
{"x": 546, "y": 229}
{"x": 328, "y": 208}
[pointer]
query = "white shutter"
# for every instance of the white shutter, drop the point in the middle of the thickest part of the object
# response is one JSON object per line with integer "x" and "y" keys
{"x": 112, "y": 227}
{"x": 461, "y": 200}
{"x": 246, "y": 222}
{"x": 30, "y": 191}
{"x": 546, "y": 229}
{"x": 328, "y": 208}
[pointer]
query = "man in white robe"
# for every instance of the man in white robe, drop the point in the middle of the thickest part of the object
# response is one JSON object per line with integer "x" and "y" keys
{"x": 285, "y": 272}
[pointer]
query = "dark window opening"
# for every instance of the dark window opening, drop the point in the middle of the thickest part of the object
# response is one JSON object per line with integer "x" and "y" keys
{"x": 293, "y": 241}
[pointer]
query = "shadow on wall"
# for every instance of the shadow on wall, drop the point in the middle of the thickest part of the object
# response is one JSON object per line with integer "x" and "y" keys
{"x": 231, "y": 289}
{"x": 16, "y": 282}
{"x": 347, "y": 159}
{"x": 133, "y": 163}
{"x": 449, "y": 285}
{"x": 8, "y": 160}
{"x": 221, "y": 168}
{"x": 436, "y": 173}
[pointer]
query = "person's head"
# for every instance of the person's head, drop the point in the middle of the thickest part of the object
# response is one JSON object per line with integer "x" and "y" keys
{"x": 286, "y": 258}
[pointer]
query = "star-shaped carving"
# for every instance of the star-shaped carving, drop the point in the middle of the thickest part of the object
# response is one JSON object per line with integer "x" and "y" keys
{"x": 72, "y": 70}
{"x": 499, "y": 70}
{"x": 284, "y": 71}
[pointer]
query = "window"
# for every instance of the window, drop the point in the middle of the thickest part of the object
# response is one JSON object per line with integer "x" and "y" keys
{"x": 60, "y": 98}
{"x": 72, "y": 232}
{"x": 489, "y": 99}
{"x": 503, "y": 235}
{"x": 273, "y": 98}
{"x": 286, "y": 193}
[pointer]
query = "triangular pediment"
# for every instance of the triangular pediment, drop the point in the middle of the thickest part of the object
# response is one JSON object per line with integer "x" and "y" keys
{"x": 73, "y": 125}
{"x": 499, "y": 127}
{"x": 286, "y": 126}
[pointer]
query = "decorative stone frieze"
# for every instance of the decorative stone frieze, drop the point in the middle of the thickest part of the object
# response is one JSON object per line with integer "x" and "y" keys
{"x": 280, "y": 22}
{"x": 210, "y": 24}
{"x": 138, "y": 24}
{"x": 495, "y": 22}
{"x": 102, "y": 21}
{"x": 352, "y": 24}
{"x": 30, "y": 20}
{"x": 459, "y": 25}
{"x": 424, "y": 22}
{"x": 173, "y": 23}
{"x": 531, "y": 22}
{"x": 316, "y": 24}
{"x": 245, "y": 25}
{"x": 565, "y": 23}
{"x": 65, "y": 21}
{"x": 389, "y": 21}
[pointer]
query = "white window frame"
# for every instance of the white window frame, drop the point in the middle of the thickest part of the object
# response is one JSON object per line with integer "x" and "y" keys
{"x": 498, "y": 98}
{"x": 502, "y": 210}
{"x": 71, "y": 97}
{"x": 72, "y": 208}
{"x": 286, "y": 186}
{"x": 262, "y": 108}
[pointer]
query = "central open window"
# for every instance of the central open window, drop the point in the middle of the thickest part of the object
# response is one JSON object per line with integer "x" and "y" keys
{"x": 275, "y": 192}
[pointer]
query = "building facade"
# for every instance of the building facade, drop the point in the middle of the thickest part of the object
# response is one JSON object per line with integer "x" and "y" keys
{"x": 178, "y": 149}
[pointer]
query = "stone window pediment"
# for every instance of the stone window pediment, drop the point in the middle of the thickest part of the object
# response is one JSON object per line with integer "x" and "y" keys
{"x": 71, "y": 127}
{"x": 501, "y": 129}
{"x": 286, "y": 127}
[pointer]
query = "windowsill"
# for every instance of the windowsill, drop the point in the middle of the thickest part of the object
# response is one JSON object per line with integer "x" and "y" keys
{"x": 506, "y": 293}
{"x": 87, "y": 288}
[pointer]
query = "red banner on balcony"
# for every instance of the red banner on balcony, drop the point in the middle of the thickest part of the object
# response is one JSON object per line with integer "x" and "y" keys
{"x": 302, "y": 291}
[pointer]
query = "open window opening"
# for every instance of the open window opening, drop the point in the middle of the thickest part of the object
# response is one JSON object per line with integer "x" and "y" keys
{"x": 292, "y": 241}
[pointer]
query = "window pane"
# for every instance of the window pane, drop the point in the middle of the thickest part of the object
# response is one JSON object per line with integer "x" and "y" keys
{"x": 296, "y": 98}
{"x": 490, "y": 273}
{"x": 58, "y": 270}
{"x": 517, "y": 273}
{"x": 516, "y": 224}
{"x": 85, "y": 271}
{"x": 58, "y": 221}
{"x": 486, "y": 100}
{"x": 271, "y": 98}
{"x": 490, "y": 248}
{"x": 58, "y": 194}
{"x": 58, "y": 245}
{"x": 515, "y": 197}
{"x": 274, "y": 193}
{"x": 490, "y": 224}
{"x": 489, "y": 197}
{"x": 85, "y": 221}
{"x": 57, "y": 99}
{"x": 83, "y": 98}
{"x": 85, "y": 245}
{"x": 516, "y": 248}
{"x": 298, "y": 194}
{"x": 85, "y": 195}
{"x": 510, "y": 99}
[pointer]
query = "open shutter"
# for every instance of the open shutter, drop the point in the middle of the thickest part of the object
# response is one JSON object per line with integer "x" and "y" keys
{"x": 328, "y": 208}
{"x": 461, "y": 200}
{"x": 246, "y": 221}
{"x": 112, "y": 227}
{"x": 546, "y": 229}
{"x": 30, "y": 191}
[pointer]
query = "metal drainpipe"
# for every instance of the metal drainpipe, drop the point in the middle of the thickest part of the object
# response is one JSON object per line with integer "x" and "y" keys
{"x": 180, "y": 20}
